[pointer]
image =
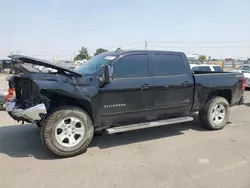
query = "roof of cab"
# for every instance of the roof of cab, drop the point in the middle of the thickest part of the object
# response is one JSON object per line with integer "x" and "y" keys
{"x": 147, "y": 51}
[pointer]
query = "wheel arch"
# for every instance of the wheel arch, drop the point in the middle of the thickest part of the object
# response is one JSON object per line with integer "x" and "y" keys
{"x": 225, "y": 93}
{"x": 58, "y": 100}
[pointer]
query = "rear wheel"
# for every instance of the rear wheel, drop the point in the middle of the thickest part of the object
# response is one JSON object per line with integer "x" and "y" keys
{"x": 67, "y": 132}
{"x": 215, "y": 114}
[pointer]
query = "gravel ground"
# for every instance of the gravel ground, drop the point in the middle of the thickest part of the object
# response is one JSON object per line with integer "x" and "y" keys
{"x": 176, "y": 156}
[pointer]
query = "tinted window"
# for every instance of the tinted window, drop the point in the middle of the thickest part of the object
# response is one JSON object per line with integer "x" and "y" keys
{"x": 169, "y": 65}
{"x": 201, "y": 68}
{"x": 218, "y": 69}
{"x": 131, "y": 66}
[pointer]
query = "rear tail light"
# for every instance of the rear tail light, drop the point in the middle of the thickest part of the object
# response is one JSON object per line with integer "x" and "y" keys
{"x": 10, "y": 94}
{"x": 244, "y": 82}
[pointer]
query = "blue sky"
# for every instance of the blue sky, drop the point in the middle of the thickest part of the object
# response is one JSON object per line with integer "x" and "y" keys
{"x": 217, "y": 28}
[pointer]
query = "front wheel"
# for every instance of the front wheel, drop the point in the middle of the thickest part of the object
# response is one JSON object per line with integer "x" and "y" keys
{"x": 67, "y": 132}
{"x": 215, "y": 114}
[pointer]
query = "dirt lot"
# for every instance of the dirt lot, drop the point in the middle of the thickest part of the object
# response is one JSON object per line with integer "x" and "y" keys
{"x": 176, "y": 156}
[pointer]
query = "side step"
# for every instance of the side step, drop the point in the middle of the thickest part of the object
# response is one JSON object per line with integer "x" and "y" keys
{"x": 137, "y": 126}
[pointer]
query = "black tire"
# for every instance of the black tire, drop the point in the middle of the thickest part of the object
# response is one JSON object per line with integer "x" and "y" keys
{"x": 49, "y": 127}
{"x": 206, "y": 114}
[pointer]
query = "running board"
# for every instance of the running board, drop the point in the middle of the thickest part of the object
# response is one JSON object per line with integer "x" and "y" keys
{"x": 137, "y": 126}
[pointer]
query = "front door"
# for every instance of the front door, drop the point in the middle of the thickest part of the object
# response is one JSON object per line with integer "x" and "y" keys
{"x": 128, "y": 97}
{"x": 173, "y": 84}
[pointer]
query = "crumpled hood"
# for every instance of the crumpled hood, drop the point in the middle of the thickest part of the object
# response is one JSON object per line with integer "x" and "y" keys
{"x": 35, "y": 61}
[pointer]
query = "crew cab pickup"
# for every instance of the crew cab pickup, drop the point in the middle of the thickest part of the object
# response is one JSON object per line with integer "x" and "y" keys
{"x": 117, "y": 92}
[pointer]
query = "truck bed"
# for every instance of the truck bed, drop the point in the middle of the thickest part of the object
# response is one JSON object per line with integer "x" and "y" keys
{"x": 209, "y": 82}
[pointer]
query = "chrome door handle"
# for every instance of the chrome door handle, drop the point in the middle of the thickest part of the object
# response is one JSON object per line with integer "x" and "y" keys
{"x": 185, "y": 83}
{"x": 145, "y": 86}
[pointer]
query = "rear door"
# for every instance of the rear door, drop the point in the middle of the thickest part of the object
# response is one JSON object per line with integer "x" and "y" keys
{"x": 173, "y": 84}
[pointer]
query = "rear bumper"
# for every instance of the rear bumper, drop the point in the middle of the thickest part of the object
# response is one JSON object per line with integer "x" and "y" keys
{"x": 31, "y": 114}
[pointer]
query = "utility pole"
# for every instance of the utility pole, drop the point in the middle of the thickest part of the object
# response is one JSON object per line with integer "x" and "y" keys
{"x": 146, "y": 45}
{"x": 53, "y": 58}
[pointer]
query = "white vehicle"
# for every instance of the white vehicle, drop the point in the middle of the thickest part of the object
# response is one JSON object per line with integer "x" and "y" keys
{"x": 245, "y": 69}
{"x": 205, "y": 67}
{"x": 242, "y": 69}
{"x": 45, "y": 69}
{"x": 80, "y": 62}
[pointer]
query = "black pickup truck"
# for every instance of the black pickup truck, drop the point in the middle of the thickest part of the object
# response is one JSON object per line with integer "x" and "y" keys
{"x": 117, "y": 92}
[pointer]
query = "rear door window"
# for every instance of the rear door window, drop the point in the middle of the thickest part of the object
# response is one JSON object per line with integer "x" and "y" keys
{"x": 169, "y": 65}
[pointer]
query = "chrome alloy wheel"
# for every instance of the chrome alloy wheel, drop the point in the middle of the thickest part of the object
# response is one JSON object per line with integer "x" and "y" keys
{"x": 69, "y": 132}
{"x": 218, "y": 113}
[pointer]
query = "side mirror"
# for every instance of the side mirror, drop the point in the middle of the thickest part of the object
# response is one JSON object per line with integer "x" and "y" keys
{"x": 105, "y": 76}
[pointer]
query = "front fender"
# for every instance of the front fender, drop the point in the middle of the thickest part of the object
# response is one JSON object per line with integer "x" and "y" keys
{"x": 61, "y": 94}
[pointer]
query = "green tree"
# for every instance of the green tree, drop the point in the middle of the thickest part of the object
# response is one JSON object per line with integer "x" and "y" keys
{"x": 83, "y": 54}
{"x": 100, "y": 50}
{"x": 202, "y": 58}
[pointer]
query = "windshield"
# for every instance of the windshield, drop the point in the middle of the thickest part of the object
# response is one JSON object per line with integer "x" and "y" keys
{"x": 91, "y": 66}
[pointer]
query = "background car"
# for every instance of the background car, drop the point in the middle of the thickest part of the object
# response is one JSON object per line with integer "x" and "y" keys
{"x": 6, "y": 64}
{"x": 246, "y": 73}
{"x": 206, "y": 67}
{"x": 242, "y": 69}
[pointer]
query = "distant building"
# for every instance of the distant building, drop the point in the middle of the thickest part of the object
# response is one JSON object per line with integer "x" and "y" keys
{"x": 193, "y": 56}
{"x": 193, "y": 59}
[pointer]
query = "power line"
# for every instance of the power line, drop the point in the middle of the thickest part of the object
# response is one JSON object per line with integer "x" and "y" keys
{"x": 201, "y": 42}
{"x": 200, "y": 46}
{"x": 135, "y": 48}
{"x": 126, "y": 44}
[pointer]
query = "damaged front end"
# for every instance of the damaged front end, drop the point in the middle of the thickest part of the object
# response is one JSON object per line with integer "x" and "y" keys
{"x": 24, "y": 101}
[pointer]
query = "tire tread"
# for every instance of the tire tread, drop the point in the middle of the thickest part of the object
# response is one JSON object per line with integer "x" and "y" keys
{"x": 45, "y": 137}
{"x": 204, "y": 113}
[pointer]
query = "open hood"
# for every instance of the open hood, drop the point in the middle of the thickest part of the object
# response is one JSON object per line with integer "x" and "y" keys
{"x": 35, "y": 61}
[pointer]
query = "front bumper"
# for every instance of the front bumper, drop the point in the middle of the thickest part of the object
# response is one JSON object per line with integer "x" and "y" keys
{"x": 31, "y": 114}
